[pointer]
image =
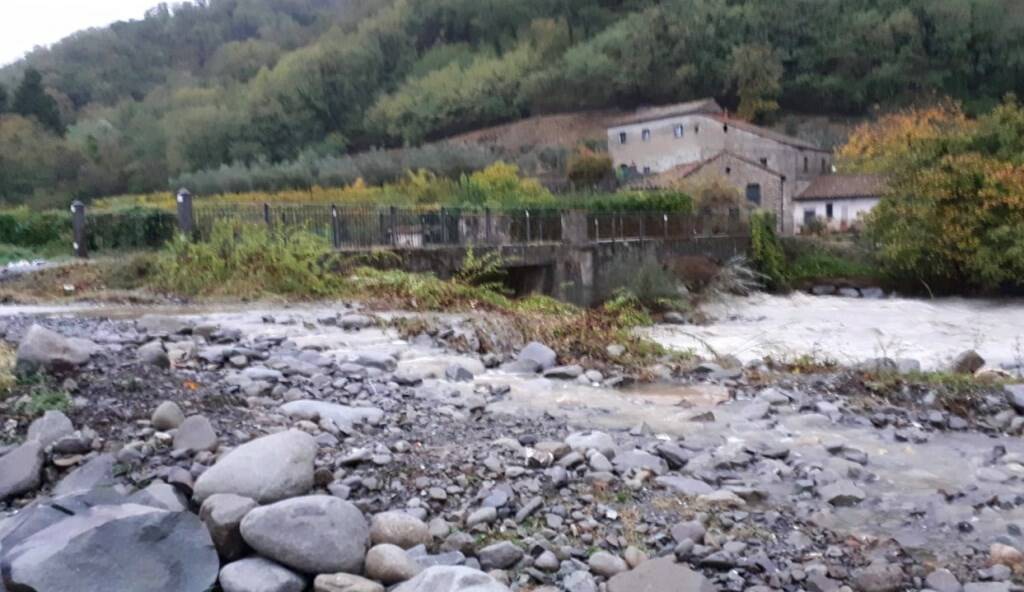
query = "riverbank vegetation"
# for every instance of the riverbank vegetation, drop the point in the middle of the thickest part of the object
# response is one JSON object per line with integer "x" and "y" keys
{"x": 953, "y": 220}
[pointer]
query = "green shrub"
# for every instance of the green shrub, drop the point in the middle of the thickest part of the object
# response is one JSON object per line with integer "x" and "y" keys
{"x": 42, "y": 399}
{"x": 766, "y": 253}
{"x": 643, "y": 279}
{"x": 249, "y": 261}
{"x": 589, "y": 169}
{"x": 25, "y": 228}
{"x": 133, "y": 228}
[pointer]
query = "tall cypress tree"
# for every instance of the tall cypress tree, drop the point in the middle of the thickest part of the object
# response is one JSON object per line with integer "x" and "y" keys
{"x": 31, "y": 100}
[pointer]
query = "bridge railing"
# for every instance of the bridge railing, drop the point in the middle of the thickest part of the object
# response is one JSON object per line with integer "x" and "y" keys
{"x": 423, "y": 227}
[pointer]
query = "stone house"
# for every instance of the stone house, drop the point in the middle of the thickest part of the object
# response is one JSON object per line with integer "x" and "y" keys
{"x": 655, "y": 141}
{"x": 838, "y": 201}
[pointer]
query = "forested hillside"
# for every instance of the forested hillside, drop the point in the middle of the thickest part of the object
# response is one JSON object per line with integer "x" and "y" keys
{"x": 257, "y": 83}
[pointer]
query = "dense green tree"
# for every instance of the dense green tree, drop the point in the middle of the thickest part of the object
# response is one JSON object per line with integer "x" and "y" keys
{"x": 31, "y": 100}
{"x": 756, "y": 72}
{"x": 3, "y": 98}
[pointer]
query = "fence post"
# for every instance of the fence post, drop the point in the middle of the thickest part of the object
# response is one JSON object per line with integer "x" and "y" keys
{"x": 642, "y": 228}
{"x": 393, "y": 223}
{"x": 597, "y": 228}
{"x": 80, "y": 239}
{"x": 186, "y": 220}
{"x": 665, "y": 218}
{"x": 335, "y": 227}
{"x": 528, "y": 237}
{"x": 266, "y": 214}
{"x": 487, "y": 222}
{"x": 443, "y": 216}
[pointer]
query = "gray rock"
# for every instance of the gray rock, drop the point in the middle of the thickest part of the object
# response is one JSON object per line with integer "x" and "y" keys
{"x": 98, "y": 472}
{"x": 390, "y": 564}
{"x": 1015, "y": 396}
{"x": 167, "y": 416}
{"x": 399, "y": 528}
{"x": 21, "y": 470}
{"x": 880, "y": 576}
{"x": 267, "y": 469}
{"x": 482, "y": 516}
{"x": 579, "y": 581}
{"x": 690, "y": 530}
{"x": 598, "y": 441}
{"x": 842, "y": 493}
{"x": 49, "y": 428}
{"x": 354, "y": 322}
{"x": 343, "y": 582}
{"x": 42, "y": 350}
{"x": 943, "y": 580}
{"x": 849, "y": 292}
{"x": 458, "y": 373}
{"x": 222, "y": 514}
{"x": 987, "y": 587}
{"x": 256, "y": 574}
{"x": 660, "y": 575}
{"x": 314, "y": 534}
{"x": 381, "y": 361}
{"x": 122, "y": 547}
{"x": 872, "y": 293}
{"x": 564, "y": 372}
{"x": 539, "y": 354}
{"x": 501, "y": 555}
{"x": 154, "y": 354}
{"x": 967, "y": 362}
{"x": 605, "y": 564}
{"x": 343, "y": 416}
{"x": 451, "y": 579}
{"x": 196, "y": 433}
{"x": 684, "y": 485}
{"x": 633, "y": 460}
{"x": 163, "y": 325}
{"x": 160, "y": 495}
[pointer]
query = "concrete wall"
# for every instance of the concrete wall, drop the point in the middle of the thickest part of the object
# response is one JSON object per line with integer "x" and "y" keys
{"x": 845, "y": 212}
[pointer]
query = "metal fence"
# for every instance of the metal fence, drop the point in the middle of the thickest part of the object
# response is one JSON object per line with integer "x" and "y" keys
{"x": 369, "y": 226}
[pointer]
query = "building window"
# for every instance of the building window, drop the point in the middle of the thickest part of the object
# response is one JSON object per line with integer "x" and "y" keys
{"x": 696, "y": 128}
{"x": 806, "y": 164}
{"x": 828, "y": 211}
{"x": 622, "y": 137}
{"x": 725, "y": 127}
{"x": 754, "y": 194}
{"x": 824, "y": 166}
{"x": 809, "y": 216}
{"x": 645, "y": 135}
{"x": 678, "y": 130}
{"x": 764, "y": 162}
{"x": 728, "y": 170}
{"x": 647, "y": 171}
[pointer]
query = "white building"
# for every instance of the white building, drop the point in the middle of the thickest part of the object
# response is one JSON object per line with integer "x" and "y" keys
{"x": 840, "y": 202}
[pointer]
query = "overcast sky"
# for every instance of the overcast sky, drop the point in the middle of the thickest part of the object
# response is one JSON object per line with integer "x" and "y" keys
{"x": 25, "y": 24}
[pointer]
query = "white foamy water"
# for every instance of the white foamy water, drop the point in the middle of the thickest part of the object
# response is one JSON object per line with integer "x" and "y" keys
{"x": 850, "y": 330}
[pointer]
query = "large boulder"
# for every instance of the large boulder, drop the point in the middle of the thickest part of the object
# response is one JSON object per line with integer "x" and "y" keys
{"x": 114, "y": 547}
{"x": 154, "y": 354}
{"x": 256, "y": 574}
{"x": 43, "y": 350}
{"x": 542, "y": 356}
{"x": 97, "y": 473}
{"x": 443, "y": 578}
{"x": 21, "y": 469}
{"x": 659, "y": 575}
{"x": 314, "y": 534}
{"x": 267, "y": 469}
{"x": 390, "y": 564}
{"x": 343, "y": 416}
{"x": 967, "y": 362}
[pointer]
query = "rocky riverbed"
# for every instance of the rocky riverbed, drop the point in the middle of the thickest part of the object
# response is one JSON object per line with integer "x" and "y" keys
{"x": 319, "y": 449}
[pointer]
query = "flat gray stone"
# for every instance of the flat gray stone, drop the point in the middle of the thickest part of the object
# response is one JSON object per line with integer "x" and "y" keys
{"x": 21, "y": 470}
{"x": 343, "y": 582}
{"x": 267, "y": 469}
{"x": 564, "y": 372}
{"x": 390, "y": 564}
{"x": 684, "y": 485}
{"x": 313, "y": 534}
{"x": 593, "y": 439}
{"x": 97, "y": 473}
{"x": 444, "y": 578}
{"x": 119, "y": 547}
{"x": 256, "y": 574}
{"x": 167, "y": 416}
{"x": 660, "y": 575}
{"x": 343, "y": 416}
{"x": 501, "y": 555}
